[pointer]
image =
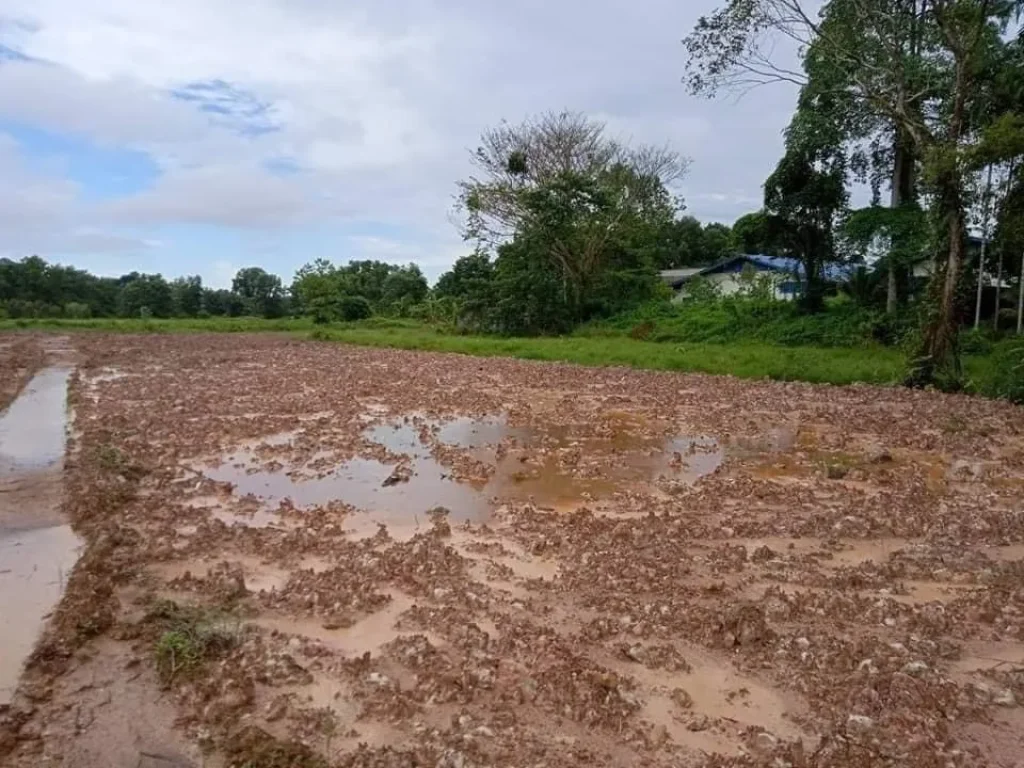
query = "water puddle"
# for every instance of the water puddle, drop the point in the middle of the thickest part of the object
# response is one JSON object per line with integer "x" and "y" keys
{"x": 368, "y": 635}
{"x": 32, "y": 430}
{"x": 554, "y": 466}
{"x": 37, "y": 551}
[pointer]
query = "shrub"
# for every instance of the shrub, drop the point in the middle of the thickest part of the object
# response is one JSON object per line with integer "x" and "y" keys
{"x": 77, "y": 310}
{"x": 1008, "y": 371}
{"x": 354, "y": 308}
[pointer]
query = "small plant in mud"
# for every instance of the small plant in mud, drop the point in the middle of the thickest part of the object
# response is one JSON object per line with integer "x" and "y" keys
{"x": 112, "y": 459}
{"x": 190, "y": 636}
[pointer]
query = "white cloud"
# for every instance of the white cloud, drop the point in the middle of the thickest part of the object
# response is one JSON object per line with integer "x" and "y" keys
{"x": 374, "y": 103}
{"x": 41, "y": 214}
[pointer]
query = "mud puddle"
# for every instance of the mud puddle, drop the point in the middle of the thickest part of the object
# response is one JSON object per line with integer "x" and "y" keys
{"x": 37, "y": 551}
{"x": 555, "y": 466}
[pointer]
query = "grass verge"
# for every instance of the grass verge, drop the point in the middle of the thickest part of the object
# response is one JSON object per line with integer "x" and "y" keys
{"x": 745, "y": 359}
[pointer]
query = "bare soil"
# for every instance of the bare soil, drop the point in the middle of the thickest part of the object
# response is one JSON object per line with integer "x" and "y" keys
{"x": 384, "y": 558}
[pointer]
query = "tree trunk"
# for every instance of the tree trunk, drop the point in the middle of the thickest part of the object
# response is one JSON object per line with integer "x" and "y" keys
{"x": 892, "y": 295}
{"x": 902, "y": 192}
{"x": 984, "y": 244}
{"x": 999, "y": 291}
{"x": 939, "y": 361}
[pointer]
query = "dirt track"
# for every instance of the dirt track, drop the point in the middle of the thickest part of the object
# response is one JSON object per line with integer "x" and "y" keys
{"x": 630, "y": 568}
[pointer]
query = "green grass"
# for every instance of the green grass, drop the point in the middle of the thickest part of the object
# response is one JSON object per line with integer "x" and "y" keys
{"x": 815, "y": 364}
{"x": 746, "y": 359}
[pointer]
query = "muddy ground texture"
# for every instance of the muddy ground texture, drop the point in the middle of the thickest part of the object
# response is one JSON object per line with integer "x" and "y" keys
{"x": 303, "y": 554}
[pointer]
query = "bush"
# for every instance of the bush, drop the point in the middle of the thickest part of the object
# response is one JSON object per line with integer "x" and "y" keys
{"x": 354, "y": 308}
{"x": 77, "y": 310}
{"x": 737, "y": 319}
{"x": 975, "y": 342}
{"x": 1008, "y": 371}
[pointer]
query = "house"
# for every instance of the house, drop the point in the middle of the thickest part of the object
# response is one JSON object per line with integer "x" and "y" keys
{"x": 924, "y": 265}
{"x": 737, "y": 273}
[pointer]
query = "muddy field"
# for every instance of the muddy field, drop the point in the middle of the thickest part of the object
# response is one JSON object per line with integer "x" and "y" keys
{"x": 309, "y": 555}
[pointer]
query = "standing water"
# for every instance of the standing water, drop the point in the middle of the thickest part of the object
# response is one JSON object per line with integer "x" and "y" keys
{"x": 37, "y": 548}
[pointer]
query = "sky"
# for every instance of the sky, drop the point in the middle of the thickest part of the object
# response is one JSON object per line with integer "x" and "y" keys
{"x": 203, "y": 136}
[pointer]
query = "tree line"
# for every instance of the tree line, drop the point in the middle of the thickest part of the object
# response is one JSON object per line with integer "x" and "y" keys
{"x": 32, "y": 287}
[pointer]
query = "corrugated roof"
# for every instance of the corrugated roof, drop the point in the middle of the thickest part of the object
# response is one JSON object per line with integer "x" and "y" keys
{"x": 676, "y": 277}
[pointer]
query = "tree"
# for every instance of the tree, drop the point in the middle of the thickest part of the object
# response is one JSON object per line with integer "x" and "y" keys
{"x": 718, "y": 242}
{"x": 681, "y": 244}
{"x": 222, "y": 303}
{"x": 912, "y": 63}
{"x": 514, "y": 160}
{"x": 752, "y": 234}
{"x": 403, "y": 288}
{"x": 144, "y": 295}
{"x": 261, "y": 291}
{"x": 470, "y": 286}
{"x": 187, "y": 295}
{"x": 564, "y": 201}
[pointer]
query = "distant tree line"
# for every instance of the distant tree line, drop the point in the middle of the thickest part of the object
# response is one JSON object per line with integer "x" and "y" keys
{"x": 32, "y": 287}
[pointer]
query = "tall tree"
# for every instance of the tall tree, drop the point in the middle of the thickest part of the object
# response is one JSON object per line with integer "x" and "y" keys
{"x": 557, "y": 193}
{"x": 260, "y": 290}
{"x": 889, "y": 57}
{"x": 187, "y": 295}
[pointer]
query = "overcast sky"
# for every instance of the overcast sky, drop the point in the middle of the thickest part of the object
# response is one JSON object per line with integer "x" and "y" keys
{"x": 200, "y": 136}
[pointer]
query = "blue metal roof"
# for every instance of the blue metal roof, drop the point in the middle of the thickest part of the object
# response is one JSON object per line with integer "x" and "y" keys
{"x": 832, "y": 271}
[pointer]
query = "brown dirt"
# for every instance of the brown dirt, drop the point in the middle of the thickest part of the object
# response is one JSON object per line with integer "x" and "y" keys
{"x": 20, "y": 357}
{"x": 633, "y": 568}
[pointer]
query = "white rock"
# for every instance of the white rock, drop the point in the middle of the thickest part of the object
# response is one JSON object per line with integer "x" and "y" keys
{"x": 915, "y": 668}
{"x": 803, "y": 642}
{"x": 860, "y": 723}
{"x": 1004, "y": 698}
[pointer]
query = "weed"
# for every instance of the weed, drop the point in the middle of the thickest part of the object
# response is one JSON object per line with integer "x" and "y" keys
{"x": 190, "y": 636}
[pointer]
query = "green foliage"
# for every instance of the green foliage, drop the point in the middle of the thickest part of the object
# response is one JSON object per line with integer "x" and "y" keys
{"x": 77, "y": 310}
{"x": 734, "y": 320}
{"x": 190, "y": 636}
{"x": 149, "y": 292}
{"x": 187, "y": 295}
{"x": 260, "y": 291}
{"x": 320, "y": 287}
{"x": 753, "y": 235}
{"x": 354, "y": 308}
{"x": 685, "y": 242}
{"x": 1007, "y": 366}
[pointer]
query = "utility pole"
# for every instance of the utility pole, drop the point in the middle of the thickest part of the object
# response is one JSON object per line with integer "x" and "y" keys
{"x": 984, "y": 244}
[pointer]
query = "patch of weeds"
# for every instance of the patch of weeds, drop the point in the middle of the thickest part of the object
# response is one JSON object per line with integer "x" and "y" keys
{"x": 320, "y": 334}
{"x": 112, "y": 459}
{"x": 190, "y": 636}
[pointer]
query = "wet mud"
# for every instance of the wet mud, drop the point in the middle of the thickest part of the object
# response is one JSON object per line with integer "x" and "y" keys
{"x": 307, "y": 554}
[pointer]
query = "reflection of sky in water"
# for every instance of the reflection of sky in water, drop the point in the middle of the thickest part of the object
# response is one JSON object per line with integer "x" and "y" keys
{"x": 32, "y": 430}
{"x": 622, "y": 460}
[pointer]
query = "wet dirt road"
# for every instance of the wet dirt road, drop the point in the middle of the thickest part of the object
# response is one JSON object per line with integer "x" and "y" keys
{"x": 303, "y": 554}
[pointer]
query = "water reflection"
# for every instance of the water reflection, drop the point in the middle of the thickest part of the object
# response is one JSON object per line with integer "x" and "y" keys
{"x": 553, "y": 466}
